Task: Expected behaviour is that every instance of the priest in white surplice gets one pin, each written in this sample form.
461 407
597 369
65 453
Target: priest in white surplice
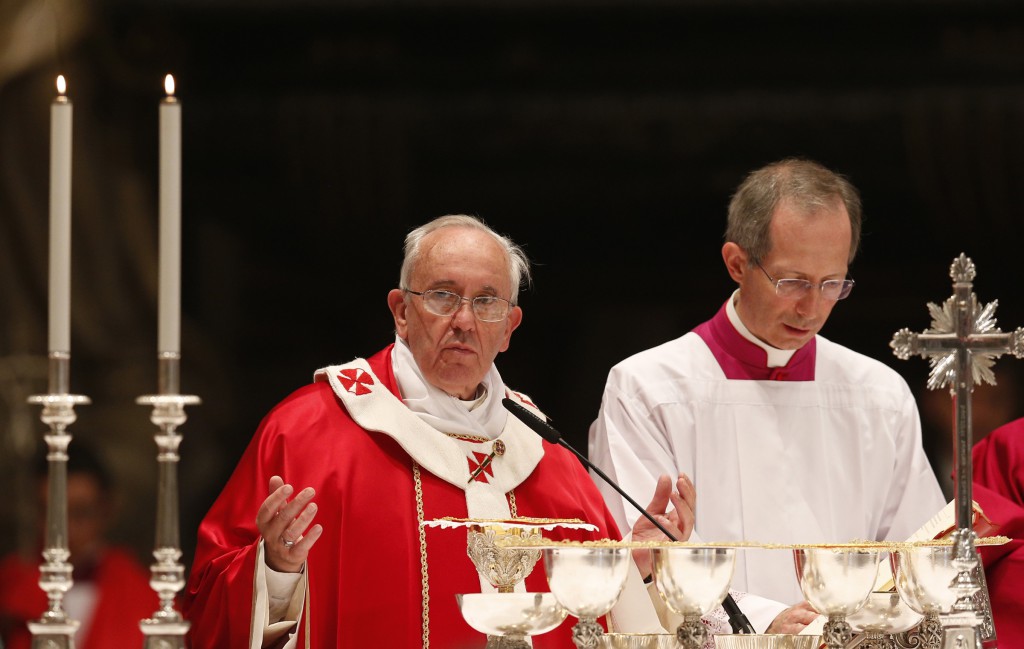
789 438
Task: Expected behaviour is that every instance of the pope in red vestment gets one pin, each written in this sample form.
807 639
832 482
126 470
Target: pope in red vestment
998 488
376 577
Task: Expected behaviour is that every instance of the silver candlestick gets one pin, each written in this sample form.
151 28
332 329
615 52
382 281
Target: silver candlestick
962 344
55 630
167 628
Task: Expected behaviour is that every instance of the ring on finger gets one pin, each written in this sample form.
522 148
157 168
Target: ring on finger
286 542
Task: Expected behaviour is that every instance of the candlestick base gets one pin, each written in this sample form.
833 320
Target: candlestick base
164 634
53 634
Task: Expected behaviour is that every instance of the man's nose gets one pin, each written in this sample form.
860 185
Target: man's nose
810 302
464 318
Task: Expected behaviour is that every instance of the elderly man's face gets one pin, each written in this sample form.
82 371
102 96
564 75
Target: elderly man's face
814 247
455 352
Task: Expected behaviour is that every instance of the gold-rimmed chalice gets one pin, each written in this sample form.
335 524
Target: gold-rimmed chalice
587 581
836 581
693 581
924 578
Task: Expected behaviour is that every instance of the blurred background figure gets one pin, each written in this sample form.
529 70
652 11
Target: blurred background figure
991 407
999 489
111 590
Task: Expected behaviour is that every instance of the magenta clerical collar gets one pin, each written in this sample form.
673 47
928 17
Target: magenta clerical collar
741 359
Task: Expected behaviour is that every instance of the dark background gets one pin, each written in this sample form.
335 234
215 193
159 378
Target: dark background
606 137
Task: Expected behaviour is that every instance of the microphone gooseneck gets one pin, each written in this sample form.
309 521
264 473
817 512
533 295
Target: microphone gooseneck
737 620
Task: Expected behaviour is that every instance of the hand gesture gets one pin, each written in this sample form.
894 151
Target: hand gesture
679 521
283 526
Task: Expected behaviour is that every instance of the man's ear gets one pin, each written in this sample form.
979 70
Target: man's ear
398 307
736 261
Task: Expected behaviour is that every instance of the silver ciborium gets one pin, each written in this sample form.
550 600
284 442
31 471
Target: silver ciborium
692 581
924 577
587 581
884 615
837 582
508 618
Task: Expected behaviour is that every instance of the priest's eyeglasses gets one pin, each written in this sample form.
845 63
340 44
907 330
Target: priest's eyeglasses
486 308
794 289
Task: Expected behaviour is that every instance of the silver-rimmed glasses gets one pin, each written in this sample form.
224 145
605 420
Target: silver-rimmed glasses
794 289
486 308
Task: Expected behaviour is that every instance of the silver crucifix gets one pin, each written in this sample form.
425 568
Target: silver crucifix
961 345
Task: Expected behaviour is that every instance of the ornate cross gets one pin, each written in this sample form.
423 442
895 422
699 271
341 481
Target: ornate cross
961 345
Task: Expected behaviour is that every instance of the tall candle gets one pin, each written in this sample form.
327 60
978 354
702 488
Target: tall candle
169 308
60 221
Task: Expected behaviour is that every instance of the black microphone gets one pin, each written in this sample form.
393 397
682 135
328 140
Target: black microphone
737 620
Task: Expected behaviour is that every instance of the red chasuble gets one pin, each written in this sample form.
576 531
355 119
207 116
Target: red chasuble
369 585
998 488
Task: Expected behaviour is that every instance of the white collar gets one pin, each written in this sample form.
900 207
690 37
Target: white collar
776 357
483 416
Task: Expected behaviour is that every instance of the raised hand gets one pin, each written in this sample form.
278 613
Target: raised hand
283 523
679 521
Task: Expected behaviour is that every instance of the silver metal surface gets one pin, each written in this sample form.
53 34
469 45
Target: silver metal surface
587 581
55 629
837 583
693 580
767 641
511 614
166 628
962 345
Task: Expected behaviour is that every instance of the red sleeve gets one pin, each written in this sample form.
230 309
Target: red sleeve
999 489
219 596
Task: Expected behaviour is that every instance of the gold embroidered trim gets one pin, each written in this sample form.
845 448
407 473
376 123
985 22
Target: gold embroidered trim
424 579
468 438
512 503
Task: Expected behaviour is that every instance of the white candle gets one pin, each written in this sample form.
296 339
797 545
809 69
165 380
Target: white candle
169 307
60 221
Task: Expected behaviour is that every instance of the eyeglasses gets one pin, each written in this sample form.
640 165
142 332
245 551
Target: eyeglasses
794 289
486 308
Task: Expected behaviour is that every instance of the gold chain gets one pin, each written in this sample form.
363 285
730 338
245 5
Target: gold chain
425 581
512 503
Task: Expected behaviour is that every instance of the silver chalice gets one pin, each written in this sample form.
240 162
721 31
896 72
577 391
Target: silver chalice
587 581
837 582
924 577
693 581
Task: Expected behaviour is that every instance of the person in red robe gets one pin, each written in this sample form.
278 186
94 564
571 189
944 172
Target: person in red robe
998 488
110 592
376 448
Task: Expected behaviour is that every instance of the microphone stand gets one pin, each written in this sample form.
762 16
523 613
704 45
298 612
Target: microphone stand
737 619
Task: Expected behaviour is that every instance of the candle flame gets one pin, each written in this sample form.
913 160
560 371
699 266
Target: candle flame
169 85
62 86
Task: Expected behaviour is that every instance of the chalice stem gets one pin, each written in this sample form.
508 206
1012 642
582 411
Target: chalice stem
837 633
586 634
